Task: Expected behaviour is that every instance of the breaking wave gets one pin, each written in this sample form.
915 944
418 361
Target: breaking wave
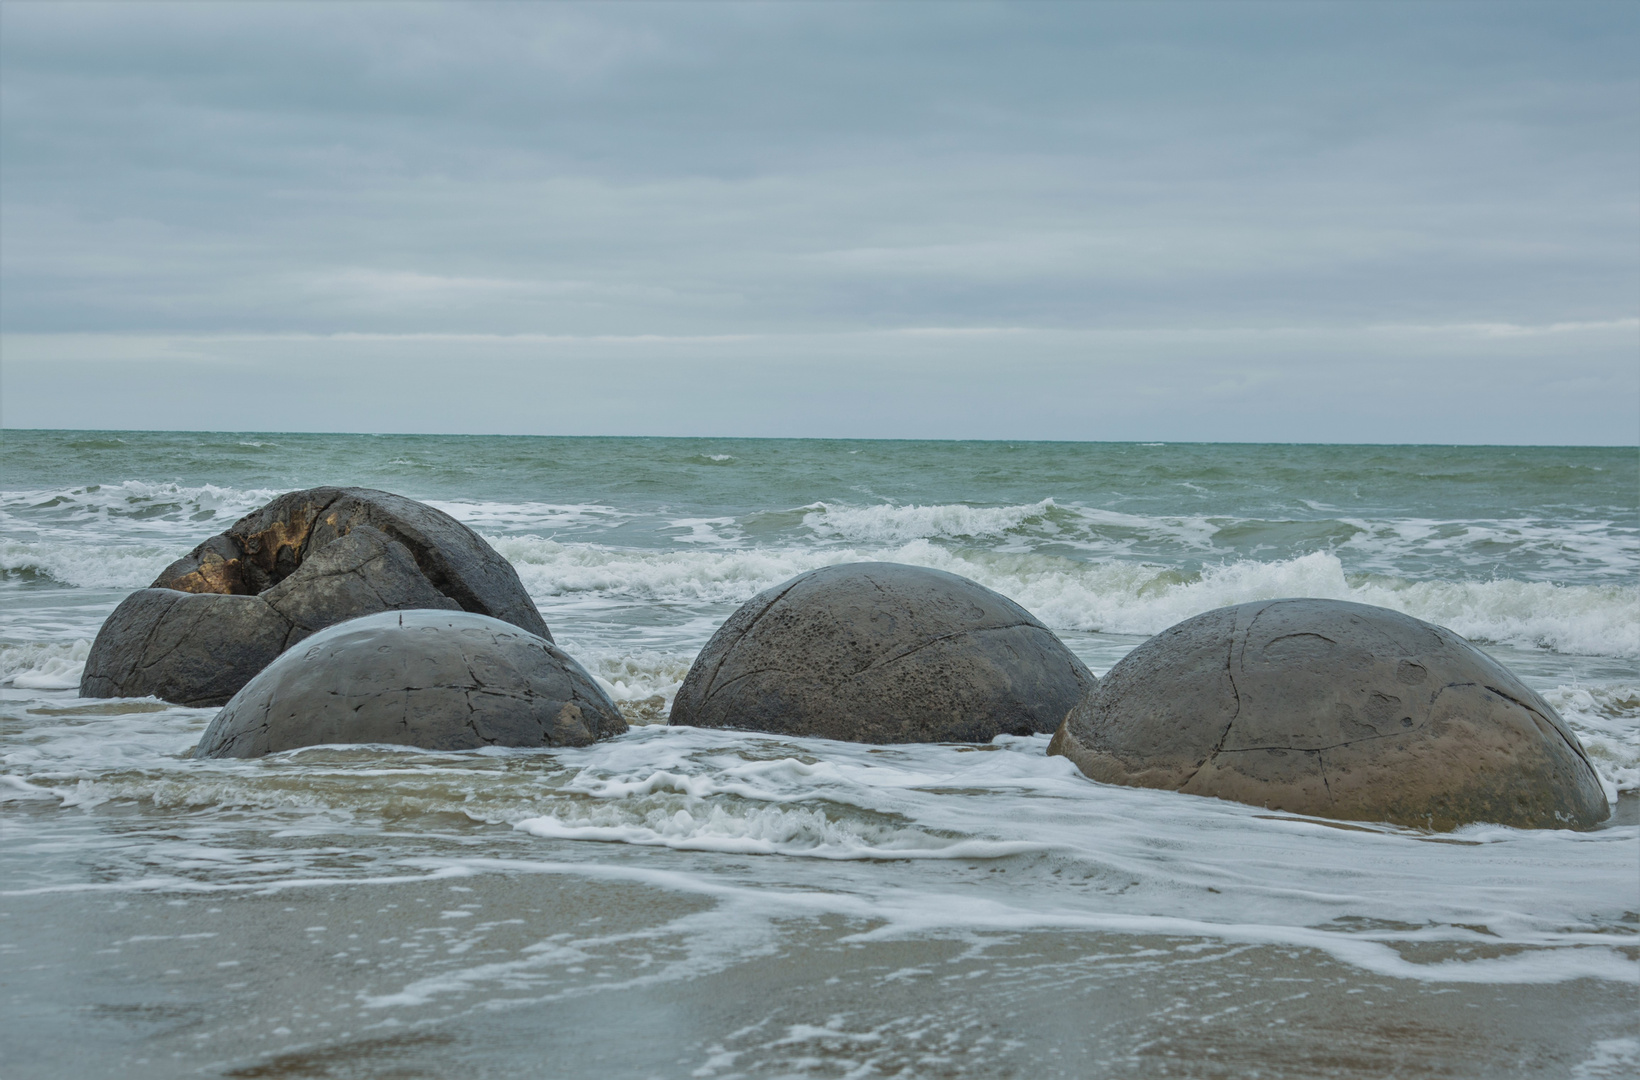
884 524
1075 567
133 502
41 666
1113 597
88 566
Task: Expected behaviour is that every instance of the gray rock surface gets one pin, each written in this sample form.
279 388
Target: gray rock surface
266 546
186 648
1334 709
308 560
882 653
443 680
360 572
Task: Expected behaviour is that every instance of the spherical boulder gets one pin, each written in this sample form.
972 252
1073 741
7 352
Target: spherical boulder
442 680
307 560
1338 710
882 653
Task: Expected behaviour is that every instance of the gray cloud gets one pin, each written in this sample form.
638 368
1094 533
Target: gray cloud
267 182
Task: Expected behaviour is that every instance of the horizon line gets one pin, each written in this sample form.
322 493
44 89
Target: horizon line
5 429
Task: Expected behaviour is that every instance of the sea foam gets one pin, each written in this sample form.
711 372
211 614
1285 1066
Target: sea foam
44 666
1114 596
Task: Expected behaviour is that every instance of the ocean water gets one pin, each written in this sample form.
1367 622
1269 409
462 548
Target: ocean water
680 902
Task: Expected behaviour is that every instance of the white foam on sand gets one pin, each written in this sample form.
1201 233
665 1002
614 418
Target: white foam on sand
1097 857
1610 1058
899 839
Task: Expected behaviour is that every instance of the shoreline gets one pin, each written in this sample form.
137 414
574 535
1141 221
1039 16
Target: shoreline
513 970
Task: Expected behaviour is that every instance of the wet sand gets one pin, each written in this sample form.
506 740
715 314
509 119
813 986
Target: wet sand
528 974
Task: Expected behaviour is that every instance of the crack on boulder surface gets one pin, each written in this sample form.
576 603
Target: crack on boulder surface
903 653
1571 743
318 515
728 649
1484 752
1224 736
365 550
260 551
1296 634
143 664
881 653
741 678
148 638
1330 746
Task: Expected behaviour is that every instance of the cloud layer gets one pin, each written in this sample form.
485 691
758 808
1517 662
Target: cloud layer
1119 221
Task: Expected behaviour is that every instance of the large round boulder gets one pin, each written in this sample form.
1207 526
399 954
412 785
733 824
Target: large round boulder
307 560
442 680
1338 710
882 653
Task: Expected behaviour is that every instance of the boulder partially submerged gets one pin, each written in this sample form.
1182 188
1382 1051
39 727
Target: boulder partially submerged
307 560
1338 710
882 653
441 680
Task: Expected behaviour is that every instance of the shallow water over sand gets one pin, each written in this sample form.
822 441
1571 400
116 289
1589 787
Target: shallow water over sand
691 903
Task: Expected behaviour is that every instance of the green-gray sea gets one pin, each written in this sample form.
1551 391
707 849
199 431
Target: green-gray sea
678 902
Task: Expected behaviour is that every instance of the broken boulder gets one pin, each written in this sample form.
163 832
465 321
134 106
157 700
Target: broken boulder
307 560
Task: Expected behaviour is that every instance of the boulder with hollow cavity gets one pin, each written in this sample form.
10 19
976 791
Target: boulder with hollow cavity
268 545
307 560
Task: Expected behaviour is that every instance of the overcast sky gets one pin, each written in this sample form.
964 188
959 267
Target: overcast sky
1384 222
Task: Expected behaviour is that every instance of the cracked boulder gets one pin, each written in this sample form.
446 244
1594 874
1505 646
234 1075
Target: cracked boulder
1338 710
441 680
307 560
882 653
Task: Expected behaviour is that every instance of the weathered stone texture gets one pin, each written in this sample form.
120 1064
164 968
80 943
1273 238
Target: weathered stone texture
882 653
1334 709
266 546
360 572
305 561
185 648
442 680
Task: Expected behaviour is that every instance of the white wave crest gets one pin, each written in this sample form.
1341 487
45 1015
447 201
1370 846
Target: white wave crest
531 515
550 568
1110 596
89 566
113 536
642 682
1593 620
55 666
139 501
886 524
1610 1058
1607 722
16 789
1593 547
